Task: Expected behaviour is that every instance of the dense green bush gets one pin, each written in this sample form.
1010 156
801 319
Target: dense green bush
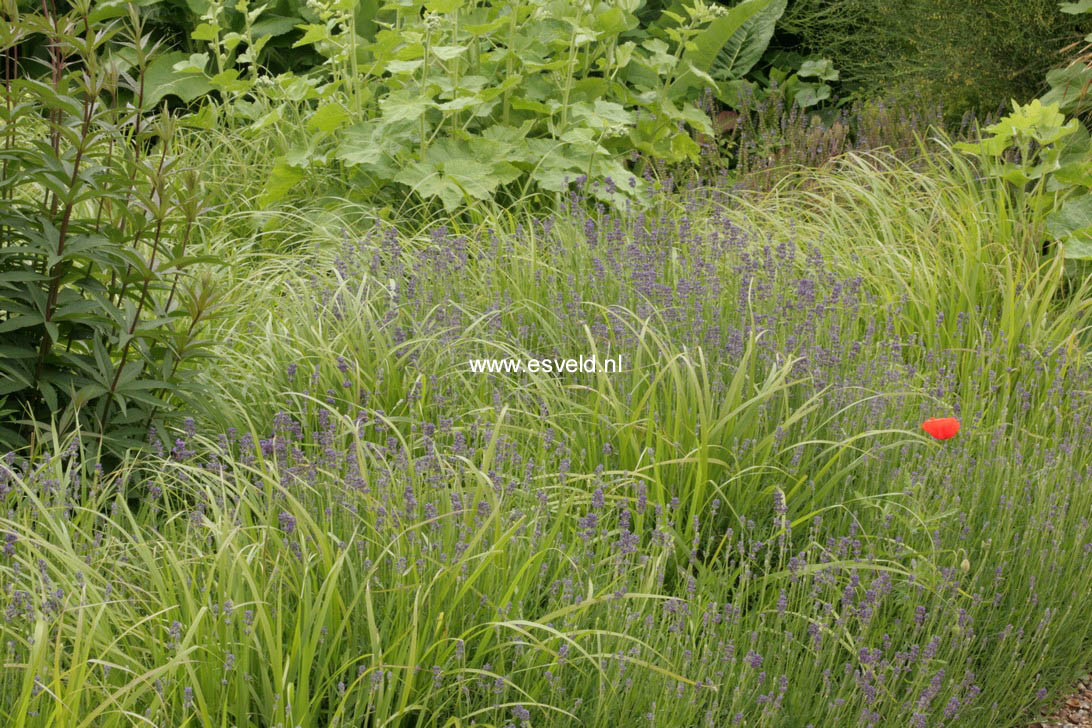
967 54
456 102
96 313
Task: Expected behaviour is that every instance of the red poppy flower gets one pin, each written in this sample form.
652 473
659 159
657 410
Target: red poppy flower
942 428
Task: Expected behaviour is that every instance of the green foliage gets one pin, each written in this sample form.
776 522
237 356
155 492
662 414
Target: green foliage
746 46
96 219
727 48
264 35
1047 164
1070 85
791 81
454 102
1069 89
965 54
460 104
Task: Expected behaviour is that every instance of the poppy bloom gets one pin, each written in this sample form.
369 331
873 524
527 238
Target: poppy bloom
942 428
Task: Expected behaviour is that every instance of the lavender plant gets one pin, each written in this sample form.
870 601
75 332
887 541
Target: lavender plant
443 545
742 527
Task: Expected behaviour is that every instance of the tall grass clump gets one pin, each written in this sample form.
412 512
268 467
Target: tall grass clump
942 243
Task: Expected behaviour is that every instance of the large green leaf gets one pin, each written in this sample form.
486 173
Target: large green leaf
1072 224
457 172
364 16
328 117
374 146
601 115
1078 248
810 94
453 186
282 179
405 105
1070 88
821 68
274 25
711 43
357 145
1077 8
160 79
745 47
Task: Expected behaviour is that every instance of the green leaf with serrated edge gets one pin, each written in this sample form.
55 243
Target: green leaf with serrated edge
274 25
311 34
356 146
404 67
446 53
460 102
810 94
228 80
1076 174
193 63
525 104
205 32
207 118
404 105
443 6
1070 88
451 173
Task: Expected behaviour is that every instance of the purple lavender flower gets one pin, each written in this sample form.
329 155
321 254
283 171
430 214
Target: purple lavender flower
10 540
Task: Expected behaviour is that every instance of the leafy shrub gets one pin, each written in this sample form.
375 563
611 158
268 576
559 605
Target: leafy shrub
456 104
97 218
1047 165
460 103
1070 85
792 80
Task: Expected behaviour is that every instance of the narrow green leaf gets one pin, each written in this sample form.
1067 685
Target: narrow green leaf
21 321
